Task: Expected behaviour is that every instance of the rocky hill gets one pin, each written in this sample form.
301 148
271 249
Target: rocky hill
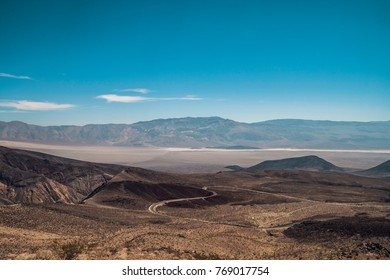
381 170
31 177
312 163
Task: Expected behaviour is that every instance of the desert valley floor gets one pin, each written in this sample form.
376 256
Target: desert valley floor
187 160
58 208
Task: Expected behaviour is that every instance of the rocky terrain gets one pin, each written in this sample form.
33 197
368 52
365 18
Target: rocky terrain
31 177
57 208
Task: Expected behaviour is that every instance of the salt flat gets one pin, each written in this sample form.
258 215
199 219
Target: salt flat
186 160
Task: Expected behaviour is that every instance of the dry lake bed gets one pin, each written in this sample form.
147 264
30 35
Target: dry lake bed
187 160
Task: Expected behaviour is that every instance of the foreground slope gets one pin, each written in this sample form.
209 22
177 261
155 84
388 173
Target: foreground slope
143 214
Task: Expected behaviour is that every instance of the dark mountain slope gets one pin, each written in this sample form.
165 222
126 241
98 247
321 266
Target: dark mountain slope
18 186
132 194
31 177
381 170
138 188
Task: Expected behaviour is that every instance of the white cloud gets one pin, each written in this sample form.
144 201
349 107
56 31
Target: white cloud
133 99
121 98
138 90
191 97
15 77
12 111
35 106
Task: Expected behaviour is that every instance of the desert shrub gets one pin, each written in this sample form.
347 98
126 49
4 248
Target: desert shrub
45 255
70 250
158 221
169 250
205 256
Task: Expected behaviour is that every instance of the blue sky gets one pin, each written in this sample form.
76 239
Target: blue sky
79 62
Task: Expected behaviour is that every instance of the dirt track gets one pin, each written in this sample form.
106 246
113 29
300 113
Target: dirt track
153 208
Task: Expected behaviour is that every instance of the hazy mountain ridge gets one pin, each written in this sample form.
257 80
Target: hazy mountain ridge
209 132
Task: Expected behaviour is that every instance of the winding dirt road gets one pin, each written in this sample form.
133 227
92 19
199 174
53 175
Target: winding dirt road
153 208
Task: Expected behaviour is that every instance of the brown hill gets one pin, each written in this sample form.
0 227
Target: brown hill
137 188
381 170
139 195
313 163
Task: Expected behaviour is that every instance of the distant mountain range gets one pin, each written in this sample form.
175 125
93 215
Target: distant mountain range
210 132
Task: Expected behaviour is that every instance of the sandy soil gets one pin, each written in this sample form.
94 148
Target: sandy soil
266 215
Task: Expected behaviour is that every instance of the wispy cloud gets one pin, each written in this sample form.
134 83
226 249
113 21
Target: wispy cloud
13 111
188 97
121 98
5 75
137 90
35 106
134 99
